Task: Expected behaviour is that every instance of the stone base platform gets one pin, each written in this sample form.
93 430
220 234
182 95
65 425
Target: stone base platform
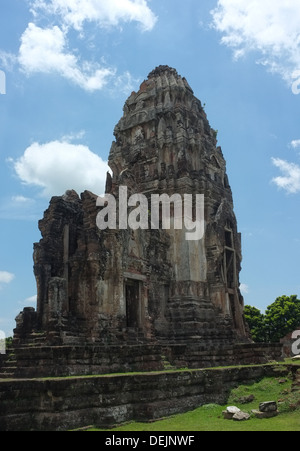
60 404
57 361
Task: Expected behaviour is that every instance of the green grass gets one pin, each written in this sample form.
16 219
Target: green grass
209 418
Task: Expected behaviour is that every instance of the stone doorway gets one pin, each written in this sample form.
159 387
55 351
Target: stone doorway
133 303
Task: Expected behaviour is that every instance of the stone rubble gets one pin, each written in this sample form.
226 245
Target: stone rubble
235 414
266 410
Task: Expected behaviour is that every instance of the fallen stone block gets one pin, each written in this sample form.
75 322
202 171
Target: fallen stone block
270 406
241 416
263 415
229 413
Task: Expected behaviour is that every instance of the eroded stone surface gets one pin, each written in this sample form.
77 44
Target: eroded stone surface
241 416
144 286
69 403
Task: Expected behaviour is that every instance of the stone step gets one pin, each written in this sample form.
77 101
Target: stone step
8 370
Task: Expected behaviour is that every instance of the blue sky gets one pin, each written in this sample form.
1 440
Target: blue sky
71 64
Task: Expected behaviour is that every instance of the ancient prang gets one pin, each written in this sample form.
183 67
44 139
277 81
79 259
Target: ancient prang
147 289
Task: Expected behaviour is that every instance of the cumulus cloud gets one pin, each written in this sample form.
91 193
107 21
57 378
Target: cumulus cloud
290 179
105 13
295 143
269 27
6 277
44 50
59 166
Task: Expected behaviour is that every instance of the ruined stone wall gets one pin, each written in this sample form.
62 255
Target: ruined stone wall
114 286
57 361
69 403
124 299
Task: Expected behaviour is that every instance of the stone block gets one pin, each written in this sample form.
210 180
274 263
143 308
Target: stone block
263 415
241 416
270 406
229 413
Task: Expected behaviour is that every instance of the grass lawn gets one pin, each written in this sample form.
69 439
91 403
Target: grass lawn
209 418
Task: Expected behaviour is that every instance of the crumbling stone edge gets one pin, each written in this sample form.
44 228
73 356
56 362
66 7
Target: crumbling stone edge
60 404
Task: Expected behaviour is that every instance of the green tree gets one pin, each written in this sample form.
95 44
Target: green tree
281 318
255 320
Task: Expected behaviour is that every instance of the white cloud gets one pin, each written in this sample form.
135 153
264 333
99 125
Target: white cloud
295 144
44 50
8 60
19 208
6 277
105 13
244 288
28 302
124 83
22 200
59 166
32 300
73 136
269 27
290 180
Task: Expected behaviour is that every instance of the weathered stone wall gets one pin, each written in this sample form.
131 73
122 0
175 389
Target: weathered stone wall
111 286
88 360
103 401
3 359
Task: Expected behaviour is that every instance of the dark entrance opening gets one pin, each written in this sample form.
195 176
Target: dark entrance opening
133 305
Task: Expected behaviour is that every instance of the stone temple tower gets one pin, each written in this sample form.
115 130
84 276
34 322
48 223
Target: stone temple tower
164 144
118 285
